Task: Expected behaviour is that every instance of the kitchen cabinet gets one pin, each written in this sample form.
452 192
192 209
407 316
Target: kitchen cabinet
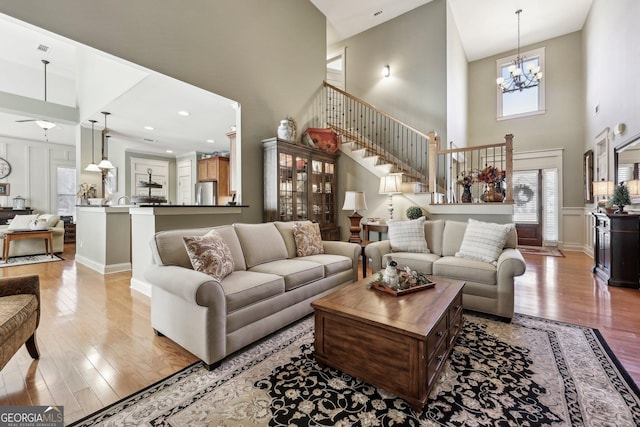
300 184
216 169
617 249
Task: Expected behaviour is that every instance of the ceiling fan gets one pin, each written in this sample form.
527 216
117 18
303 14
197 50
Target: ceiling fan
45 125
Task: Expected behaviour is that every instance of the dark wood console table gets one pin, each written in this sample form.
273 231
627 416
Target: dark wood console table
617 249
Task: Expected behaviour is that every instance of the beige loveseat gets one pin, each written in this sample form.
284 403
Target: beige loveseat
269 288
34 246
488 288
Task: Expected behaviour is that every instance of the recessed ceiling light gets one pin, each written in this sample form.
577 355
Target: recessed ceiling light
169 151
183 113
148 127
211 141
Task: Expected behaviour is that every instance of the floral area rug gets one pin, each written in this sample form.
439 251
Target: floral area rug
530 372
29 259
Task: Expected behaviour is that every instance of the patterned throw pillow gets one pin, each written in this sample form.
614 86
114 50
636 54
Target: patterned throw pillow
484 241
210 254
408 236
308 239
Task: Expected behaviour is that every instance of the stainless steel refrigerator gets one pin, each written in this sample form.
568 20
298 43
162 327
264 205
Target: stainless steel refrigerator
206 193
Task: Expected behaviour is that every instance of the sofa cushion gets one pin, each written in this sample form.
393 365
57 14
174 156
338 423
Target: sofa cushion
484 241
452 237
433 230
286 231
408 236
308 239
294 271
169 247
243 288
21 222
332 263
465 269
210 254
417 261
260 243
14 312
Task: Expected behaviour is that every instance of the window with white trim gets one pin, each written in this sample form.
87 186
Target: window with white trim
66 190
523 102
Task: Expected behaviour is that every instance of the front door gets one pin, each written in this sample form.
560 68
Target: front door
527 211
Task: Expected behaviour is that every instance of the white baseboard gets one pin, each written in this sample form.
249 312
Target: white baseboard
141 286
102 268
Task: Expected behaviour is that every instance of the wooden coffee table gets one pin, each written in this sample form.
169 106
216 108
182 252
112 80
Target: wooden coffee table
34 234
397 343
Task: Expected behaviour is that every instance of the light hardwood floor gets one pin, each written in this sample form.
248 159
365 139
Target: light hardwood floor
97 345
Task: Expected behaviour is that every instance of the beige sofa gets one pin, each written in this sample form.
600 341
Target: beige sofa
488 289
269 288
35 246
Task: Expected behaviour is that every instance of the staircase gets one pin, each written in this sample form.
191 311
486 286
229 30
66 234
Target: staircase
376 140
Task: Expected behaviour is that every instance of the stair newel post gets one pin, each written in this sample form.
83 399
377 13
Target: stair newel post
433 148
508 139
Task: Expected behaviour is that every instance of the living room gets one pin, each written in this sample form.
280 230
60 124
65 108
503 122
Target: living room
278 72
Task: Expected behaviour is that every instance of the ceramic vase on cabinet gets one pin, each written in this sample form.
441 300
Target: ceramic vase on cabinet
287 130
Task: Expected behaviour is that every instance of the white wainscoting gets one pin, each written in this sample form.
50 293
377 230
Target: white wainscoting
577 230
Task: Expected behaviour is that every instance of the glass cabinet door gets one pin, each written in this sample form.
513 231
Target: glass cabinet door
285 185
301 189
322 183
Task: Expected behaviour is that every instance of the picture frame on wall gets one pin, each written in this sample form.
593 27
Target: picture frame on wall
4 189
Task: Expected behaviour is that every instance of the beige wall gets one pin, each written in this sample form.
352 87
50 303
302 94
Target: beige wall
457 90
414 46
268 55
562 126
611 60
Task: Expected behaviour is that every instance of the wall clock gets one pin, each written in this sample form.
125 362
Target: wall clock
5 168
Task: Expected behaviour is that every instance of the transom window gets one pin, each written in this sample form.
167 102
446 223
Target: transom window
523 102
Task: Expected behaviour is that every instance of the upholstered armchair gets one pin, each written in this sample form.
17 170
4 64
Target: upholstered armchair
19 315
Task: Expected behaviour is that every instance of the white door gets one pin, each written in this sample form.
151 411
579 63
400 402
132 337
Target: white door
140 174
185 186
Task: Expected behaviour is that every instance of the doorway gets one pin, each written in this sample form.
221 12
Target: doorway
527 210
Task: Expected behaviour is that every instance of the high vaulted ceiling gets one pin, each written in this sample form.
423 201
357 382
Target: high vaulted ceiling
487 27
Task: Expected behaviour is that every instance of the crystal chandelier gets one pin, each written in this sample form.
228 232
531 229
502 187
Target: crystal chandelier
519 78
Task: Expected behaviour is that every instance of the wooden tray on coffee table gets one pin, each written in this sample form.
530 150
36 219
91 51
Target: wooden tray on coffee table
382 286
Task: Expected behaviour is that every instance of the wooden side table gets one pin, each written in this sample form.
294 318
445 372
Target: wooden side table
47 235
378 228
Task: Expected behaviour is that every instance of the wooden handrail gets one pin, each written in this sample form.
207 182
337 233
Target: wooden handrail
377 110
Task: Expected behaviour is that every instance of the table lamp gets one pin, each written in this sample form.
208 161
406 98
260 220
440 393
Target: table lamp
354 200
391 184
602 188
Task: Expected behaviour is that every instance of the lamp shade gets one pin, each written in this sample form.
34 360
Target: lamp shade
602 188
92 168
390 184
105 164
634 187
354 200
45 124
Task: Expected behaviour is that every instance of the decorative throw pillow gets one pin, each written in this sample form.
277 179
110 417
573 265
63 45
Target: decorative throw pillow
484 241
21 222
308 239
51 219
408 236
210 254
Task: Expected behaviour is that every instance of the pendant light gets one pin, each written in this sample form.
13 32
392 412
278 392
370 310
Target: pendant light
105 163
92 166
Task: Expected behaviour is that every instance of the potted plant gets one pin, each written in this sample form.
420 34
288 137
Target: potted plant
414 212
620 198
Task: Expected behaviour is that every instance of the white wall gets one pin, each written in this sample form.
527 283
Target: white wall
457 90
33 171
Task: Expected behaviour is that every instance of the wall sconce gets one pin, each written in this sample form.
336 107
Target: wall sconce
354 201
386 71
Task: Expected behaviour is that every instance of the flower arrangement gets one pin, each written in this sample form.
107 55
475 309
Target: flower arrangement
87 191
490 174
408 278
467 178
